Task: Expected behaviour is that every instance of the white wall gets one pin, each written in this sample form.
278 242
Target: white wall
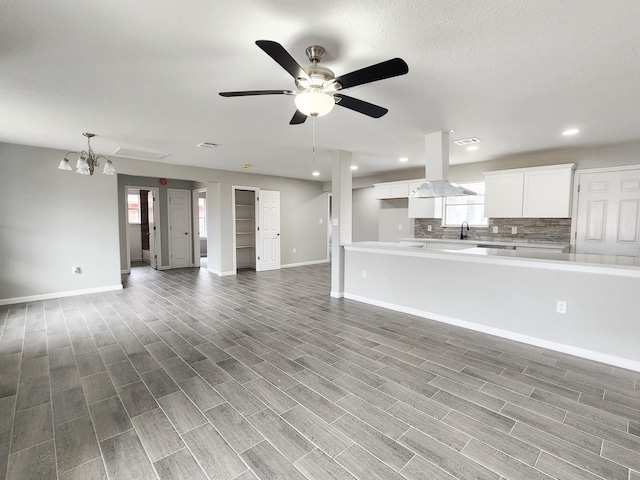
52 220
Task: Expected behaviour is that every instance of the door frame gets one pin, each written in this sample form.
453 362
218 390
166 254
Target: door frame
195 195
576 193
256 191
189 224
156 193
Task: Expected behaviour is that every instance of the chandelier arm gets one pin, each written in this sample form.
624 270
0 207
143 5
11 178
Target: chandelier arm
71 153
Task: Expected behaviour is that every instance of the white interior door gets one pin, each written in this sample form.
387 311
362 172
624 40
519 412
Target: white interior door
179 228
609 213
268 235
151 207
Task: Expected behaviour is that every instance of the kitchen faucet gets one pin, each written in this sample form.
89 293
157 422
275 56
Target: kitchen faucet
463 235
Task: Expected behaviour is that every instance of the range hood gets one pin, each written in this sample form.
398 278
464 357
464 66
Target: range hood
437 170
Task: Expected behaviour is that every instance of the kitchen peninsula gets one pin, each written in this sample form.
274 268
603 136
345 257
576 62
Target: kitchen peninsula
509 293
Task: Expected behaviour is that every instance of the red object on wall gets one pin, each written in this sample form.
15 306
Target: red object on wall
163 181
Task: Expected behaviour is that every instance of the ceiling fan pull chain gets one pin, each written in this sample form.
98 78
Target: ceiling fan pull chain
313 128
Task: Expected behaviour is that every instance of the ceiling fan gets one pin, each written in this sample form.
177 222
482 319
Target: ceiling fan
318 87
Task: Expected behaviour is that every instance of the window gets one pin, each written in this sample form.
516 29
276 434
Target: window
202 217
467 208
133 201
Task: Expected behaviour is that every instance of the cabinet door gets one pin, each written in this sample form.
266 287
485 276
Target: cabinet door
503 195
425 207
382 190
547 193
399 190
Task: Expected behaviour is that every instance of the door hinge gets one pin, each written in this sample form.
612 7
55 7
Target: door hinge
258 257
258 228
578 187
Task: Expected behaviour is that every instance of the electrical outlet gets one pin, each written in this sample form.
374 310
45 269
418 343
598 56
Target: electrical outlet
335 222
429 228
514 230
294 250
364 274
400 227
561 307
320 221
76 270
495 229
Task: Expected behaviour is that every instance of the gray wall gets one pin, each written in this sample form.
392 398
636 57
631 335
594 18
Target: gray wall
365 210
394 213
52 220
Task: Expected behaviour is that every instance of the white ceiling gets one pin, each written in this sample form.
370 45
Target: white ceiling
146 74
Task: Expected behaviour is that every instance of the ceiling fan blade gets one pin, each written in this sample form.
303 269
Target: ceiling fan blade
360 106
373 73
257 92
298 118
280 55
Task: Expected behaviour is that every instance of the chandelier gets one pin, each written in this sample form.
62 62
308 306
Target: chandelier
87 160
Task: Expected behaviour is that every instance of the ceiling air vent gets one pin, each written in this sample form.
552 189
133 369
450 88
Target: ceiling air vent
141 154
207 145
467 141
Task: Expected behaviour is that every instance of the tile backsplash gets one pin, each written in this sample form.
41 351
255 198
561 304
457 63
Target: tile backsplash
534 230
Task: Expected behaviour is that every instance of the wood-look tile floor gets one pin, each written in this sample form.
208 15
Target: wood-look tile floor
185 375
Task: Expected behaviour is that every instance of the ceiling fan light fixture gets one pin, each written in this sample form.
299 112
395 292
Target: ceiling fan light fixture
314 102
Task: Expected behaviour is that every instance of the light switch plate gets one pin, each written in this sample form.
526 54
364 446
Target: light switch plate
335 222
514 230
429 228
495 229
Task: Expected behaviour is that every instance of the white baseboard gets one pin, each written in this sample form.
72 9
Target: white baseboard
342 295
498 332
49 296
302 264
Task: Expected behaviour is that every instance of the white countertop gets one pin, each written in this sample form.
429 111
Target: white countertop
604 264
472 241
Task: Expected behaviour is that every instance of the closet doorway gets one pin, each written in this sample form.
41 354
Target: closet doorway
256 229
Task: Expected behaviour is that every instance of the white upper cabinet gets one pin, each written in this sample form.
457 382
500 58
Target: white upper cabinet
391 190
503 194
537 192
547 192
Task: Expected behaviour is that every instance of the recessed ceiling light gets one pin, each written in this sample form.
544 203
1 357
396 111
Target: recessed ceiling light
403 159
354 167
473 147
571 131
316 174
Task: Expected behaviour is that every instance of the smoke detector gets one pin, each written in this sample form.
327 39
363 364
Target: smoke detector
207 145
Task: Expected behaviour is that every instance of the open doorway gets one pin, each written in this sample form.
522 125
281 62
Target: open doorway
142 214
200 221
